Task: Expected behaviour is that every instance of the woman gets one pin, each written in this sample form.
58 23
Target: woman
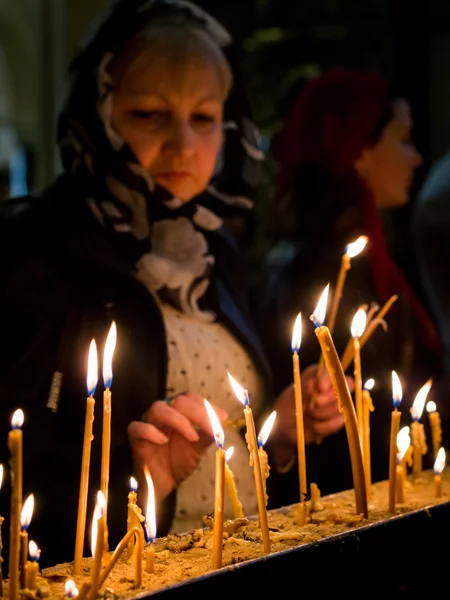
157 145
345 155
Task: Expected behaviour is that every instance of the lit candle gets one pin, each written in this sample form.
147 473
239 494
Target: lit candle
435 425
419 443
300 430
98 537
263 459
250 436
438 467
134 519
25 520
32 565
1 542
70 589
150 524
403 443
346 406
219 438
92 378
106 434
368 407
236 504
15 447
357 329
397 394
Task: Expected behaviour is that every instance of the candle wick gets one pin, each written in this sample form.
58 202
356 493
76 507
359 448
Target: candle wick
313 319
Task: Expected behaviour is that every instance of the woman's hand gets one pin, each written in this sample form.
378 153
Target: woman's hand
171 439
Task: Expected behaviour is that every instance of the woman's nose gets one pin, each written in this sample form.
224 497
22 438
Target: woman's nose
181 139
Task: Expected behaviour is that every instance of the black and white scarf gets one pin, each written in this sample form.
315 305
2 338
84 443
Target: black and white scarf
163 236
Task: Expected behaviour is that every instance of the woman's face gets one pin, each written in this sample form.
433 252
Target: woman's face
172 120
388 166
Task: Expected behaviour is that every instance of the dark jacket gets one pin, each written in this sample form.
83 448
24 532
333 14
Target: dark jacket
63 282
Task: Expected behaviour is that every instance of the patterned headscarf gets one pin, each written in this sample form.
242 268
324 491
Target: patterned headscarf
160 234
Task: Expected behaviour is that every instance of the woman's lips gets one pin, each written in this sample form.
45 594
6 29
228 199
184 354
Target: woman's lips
172 175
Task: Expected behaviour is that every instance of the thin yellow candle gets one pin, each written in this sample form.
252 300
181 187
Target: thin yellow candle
98 537
134 519
357 329
397 394
417 430
15 445
300 428
262 454
435 425
120 548
236 504
150 524
25 520
219 438
438 467
106 434
250 436
343 395
1 541
367 406
92 378
403 443
32 565
70 589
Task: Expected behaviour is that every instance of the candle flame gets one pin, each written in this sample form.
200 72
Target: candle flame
27 513
297 334
92 370
239 391
266 428
431 406
369 384
318 316
70 589
356 247
33 551
99 511
229 453
403 442
359 323
108 355
133 484
1 476
150 515
419 401
439 463
397 392
218 432
17 419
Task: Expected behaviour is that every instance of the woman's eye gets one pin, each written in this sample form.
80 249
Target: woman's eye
203 121
151 116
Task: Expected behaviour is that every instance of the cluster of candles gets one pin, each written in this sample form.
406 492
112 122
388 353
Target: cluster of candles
404 443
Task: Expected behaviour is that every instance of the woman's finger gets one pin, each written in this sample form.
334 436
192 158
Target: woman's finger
322 413
163 415
146 432
325 428
192 406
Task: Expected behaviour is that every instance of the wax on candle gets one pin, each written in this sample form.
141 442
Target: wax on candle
343 395
92 377
403 443
106 432
435 425
135 531
417 430
250 436
397 394
135 517
262 455
438 467
150 522
25 520
70 589
32 565
316 504
357 329
238 511
300 429
367 407
98 537
16 450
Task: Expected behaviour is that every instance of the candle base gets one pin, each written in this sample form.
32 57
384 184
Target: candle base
301 517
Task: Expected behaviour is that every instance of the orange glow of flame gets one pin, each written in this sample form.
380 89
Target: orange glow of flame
439 463
27 512
239 391
267 428
357 246
150 515
397 392
297 334
318 316
70 589
218 432
92 370
229 453
17 419
1 476
99 511
359 323
369 384
419 401
403 442
33 551
133 484
431 406
108 355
